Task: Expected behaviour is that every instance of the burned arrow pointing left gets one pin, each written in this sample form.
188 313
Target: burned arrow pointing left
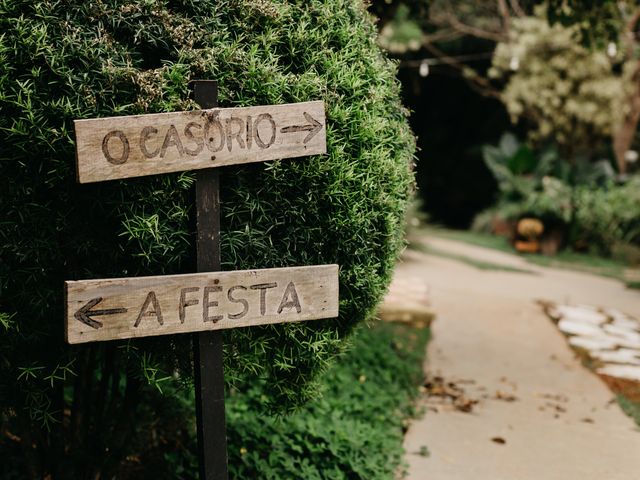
85 313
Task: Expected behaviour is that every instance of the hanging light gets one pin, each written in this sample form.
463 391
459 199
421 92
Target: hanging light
631 156
424 68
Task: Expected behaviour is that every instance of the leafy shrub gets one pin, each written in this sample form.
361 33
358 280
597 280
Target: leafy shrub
599 21
354 431
610 215
62 61
525 182
583 196
571 92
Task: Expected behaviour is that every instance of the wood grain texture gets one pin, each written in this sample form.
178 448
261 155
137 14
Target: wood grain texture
109 309
208 346
133 146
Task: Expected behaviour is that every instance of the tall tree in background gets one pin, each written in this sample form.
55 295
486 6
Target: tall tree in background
592 30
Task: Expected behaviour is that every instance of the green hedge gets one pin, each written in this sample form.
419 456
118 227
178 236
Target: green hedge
608 216
61 61
355 431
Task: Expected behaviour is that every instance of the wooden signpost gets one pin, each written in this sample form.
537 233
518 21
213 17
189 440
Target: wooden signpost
144 306
134 146
205 302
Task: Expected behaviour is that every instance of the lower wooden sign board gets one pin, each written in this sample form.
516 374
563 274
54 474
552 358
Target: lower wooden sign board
109 309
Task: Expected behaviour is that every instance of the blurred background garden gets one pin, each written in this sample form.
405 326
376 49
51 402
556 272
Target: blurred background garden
526 110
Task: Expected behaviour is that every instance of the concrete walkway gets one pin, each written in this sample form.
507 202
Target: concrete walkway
539 414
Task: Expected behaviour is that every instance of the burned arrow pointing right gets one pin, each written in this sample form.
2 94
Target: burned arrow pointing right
85 313
313 128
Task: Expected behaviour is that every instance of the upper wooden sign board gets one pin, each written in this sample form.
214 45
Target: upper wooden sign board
139 145
99 310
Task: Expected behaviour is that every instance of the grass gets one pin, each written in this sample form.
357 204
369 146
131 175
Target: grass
474 238
630 407
354 431
473 262
583 262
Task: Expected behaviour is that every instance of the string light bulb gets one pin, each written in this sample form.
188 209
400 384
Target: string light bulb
424 68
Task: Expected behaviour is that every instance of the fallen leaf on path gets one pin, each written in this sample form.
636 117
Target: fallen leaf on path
505 397
465 405
449 393
424 451
557 407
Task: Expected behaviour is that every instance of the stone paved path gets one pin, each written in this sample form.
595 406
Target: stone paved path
539 414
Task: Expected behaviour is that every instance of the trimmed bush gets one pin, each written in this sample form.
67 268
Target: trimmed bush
63 61
608 216
355 431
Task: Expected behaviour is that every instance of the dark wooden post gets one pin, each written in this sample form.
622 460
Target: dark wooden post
207 346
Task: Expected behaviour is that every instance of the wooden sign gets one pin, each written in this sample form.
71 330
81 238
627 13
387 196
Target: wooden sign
134 146
110 309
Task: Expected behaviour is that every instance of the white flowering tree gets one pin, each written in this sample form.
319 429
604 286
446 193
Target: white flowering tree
569 67
578 96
